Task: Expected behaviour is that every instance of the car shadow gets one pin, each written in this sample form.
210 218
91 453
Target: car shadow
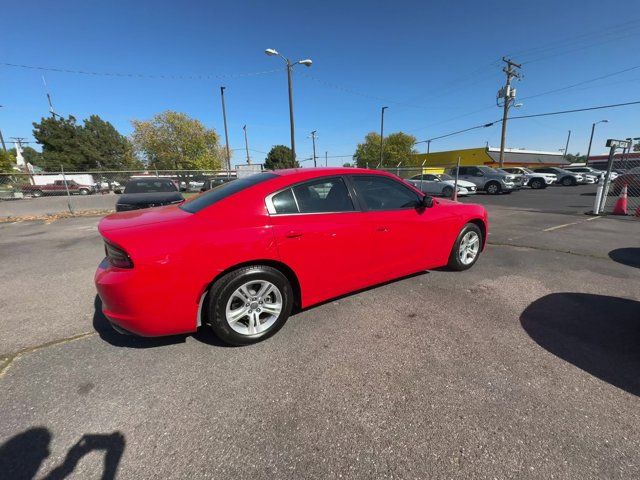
627 256
22 455
109 335
598 334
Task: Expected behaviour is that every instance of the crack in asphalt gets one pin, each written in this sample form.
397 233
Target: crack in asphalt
6 360
548 249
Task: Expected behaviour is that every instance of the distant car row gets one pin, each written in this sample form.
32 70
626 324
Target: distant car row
493 181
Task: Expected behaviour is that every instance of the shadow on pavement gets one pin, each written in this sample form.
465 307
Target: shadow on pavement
22 455
596 333
109 335
626 256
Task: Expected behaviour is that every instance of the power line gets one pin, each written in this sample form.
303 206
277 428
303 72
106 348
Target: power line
138 75
581 83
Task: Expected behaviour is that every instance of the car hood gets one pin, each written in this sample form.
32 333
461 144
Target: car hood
150 198
141 218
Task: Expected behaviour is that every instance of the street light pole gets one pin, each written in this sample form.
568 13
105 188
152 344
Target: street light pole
382 134
226 132
593 127
313 139
566 147
307 62
246 144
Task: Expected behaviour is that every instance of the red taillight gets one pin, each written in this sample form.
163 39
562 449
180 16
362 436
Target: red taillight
116 256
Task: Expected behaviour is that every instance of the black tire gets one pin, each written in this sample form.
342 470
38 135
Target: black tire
454 259
493 188
568 181
447 192
222 289
83 191
537 183
37 193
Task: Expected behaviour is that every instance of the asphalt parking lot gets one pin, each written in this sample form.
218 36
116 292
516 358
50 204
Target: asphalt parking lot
525 366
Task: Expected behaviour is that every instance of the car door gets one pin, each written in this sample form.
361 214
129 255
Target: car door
403 235
469 174
320 234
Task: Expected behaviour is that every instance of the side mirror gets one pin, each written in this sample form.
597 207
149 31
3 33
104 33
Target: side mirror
426 202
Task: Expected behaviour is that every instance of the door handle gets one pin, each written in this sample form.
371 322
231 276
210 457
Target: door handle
382 229
293 234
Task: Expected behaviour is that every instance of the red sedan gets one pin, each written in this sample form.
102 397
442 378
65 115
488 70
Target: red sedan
240 257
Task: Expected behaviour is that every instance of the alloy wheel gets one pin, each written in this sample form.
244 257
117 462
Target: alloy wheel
254 307
469 248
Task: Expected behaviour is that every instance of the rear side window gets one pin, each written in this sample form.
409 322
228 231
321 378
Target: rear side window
207 199
381 193
150 186
326 195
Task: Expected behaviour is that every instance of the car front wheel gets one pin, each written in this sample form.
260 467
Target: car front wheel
568 181
493 188
536 184
249 304
466 249
447 192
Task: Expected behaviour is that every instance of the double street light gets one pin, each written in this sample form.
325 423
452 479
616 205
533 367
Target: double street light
307 63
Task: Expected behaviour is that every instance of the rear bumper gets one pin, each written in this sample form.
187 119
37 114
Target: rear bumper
141 304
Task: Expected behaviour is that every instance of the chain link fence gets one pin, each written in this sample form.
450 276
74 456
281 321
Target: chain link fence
623 193
57 192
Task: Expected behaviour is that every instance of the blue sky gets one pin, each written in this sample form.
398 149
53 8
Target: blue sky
434 63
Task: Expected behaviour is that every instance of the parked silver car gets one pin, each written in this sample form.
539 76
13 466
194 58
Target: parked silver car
488 179
441 184
535 180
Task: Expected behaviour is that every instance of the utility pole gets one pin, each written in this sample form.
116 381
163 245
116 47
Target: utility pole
46 91
326 162
509 95
313 139
226 132
428 146
566 147
246 144
4 147
382 134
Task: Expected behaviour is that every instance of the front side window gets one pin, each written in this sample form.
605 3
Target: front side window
381 193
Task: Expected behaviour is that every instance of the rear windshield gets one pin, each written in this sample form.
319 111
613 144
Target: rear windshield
150 186
206 199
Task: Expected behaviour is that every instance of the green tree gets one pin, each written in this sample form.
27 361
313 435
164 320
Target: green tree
636 147
280 157
61 140
347 164
173 140
104 147
7 162
94 145
398 147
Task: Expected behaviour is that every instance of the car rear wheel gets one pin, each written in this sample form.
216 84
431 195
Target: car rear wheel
447 192
493 188
466 249
537 184
83 191
249 304
37 193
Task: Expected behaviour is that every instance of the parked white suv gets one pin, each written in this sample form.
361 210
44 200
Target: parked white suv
535 180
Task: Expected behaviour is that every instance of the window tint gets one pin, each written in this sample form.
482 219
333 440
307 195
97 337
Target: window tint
195 204
380 193
325 195
150 186
284 202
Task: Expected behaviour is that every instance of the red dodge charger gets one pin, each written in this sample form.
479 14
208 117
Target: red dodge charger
240 257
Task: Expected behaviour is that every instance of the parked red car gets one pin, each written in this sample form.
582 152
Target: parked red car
240 257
